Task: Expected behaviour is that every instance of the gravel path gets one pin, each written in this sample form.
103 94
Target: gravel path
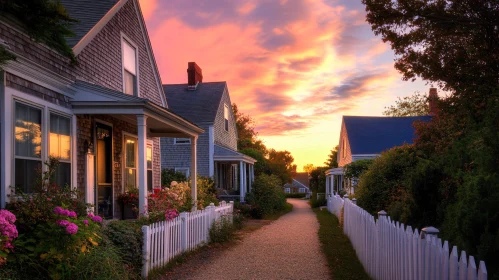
288 248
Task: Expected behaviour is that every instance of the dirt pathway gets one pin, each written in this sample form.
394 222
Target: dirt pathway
288 248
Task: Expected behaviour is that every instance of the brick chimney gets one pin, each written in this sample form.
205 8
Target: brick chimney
194 75
433 101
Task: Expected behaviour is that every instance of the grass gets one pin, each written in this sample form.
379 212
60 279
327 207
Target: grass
341 258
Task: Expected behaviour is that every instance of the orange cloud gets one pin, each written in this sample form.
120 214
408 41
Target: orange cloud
148 7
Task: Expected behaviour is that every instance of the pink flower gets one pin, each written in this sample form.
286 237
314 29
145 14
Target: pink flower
85 222
58 210
71 228
72 214
90 214
97 219
62 223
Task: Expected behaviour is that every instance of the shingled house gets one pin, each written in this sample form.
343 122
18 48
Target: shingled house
365 138
208 105
102 118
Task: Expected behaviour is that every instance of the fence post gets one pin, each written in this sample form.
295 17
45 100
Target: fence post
345 196
431 231
382 213
183 231
354 200
145 251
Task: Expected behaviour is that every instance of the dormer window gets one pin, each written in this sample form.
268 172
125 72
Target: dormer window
129 67
226 117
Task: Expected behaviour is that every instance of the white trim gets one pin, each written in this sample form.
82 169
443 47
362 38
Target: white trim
181 143
11 96
150 54
124 40
97 27
211 150
186 169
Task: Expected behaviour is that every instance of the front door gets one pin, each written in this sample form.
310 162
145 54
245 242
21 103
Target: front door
104 168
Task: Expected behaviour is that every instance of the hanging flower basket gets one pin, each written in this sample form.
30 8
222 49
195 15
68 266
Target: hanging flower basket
129 202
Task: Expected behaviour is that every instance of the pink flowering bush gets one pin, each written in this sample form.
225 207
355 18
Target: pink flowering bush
167 203
171 214
8 232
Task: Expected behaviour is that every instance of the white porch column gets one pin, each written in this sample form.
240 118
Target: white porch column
328 178
142 163
241 181
332 182
251 176
194 171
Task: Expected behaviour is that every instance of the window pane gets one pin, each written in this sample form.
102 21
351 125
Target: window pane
130 83
129 58
130 178
28 131
60 137
182 141
149 157
149 180
227 125
130 153
226 112
27 174
62 175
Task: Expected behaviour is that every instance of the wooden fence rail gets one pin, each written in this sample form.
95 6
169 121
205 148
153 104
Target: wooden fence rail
390 250
165 240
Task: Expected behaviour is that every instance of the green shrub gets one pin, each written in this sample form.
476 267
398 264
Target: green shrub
127 238
295 195
267 196
102 263
403 184
170 175
314 202
206 192
222 230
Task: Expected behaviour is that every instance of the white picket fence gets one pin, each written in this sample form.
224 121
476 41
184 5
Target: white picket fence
165 240
389 250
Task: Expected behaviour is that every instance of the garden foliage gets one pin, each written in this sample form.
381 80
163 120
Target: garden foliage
267 196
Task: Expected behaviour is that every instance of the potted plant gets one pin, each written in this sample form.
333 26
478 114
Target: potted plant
129 201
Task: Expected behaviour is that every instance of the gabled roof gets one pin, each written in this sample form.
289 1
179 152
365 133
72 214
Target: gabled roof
88 13
226 154
295 183
373 135
302 177
198 106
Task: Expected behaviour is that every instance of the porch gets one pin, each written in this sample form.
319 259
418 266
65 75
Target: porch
334 181
233 171
118 145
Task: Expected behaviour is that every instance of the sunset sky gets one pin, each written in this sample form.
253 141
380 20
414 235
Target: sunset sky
295 66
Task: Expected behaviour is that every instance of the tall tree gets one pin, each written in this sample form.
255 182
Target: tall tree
281 164
332 158
308 168
44 21
453 43
414 105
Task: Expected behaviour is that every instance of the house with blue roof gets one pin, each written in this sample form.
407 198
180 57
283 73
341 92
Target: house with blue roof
365 137
208 105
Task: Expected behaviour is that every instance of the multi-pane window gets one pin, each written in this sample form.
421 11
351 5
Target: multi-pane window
183 170
28 146
130 162
129 68
149 167
302 190
60 148
182 140
226 117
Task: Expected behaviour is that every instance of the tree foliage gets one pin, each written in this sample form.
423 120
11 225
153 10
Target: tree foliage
414 105
454 44
355 169
318 179
308 168
44 21
332 158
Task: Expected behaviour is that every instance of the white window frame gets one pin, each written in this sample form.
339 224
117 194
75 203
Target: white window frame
150 144
12 97
126 40
287 190
302 190
187 170
228 117
175 141
125 136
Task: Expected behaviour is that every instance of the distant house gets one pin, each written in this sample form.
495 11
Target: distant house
299 184
364 137
208 105
101 118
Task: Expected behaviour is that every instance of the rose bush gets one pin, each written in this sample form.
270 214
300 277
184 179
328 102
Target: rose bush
8 232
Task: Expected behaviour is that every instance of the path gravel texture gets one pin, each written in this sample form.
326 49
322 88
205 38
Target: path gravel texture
288 248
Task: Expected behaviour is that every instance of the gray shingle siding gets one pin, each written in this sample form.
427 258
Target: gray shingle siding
177 156
225 138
